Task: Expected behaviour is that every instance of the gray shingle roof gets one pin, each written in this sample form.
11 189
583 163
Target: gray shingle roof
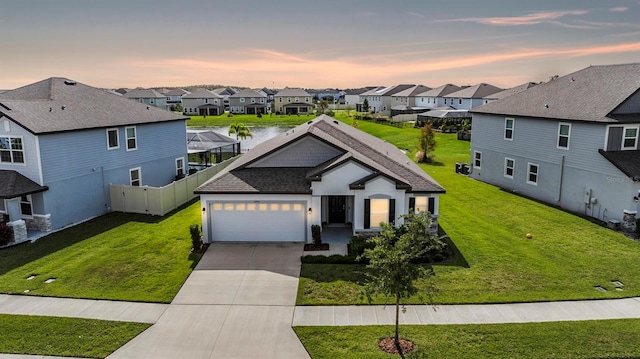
626 161
201 93
412 91
247 93
292 92
387 91
144 93
355 145
440 91
59 104
13 184
177 92
591 94
476 91
510 91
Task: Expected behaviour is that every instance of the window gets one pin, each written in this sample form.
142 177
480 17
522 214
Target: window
477 159
532 174
288 99
253 100
113 141
132 143
179 166
134 177
25 206
508 128
297 99
306 99
11 150
280 98
630 140
459 101
509 165
379 212
215 102
241 99
206 100
564 132
261 100
421 204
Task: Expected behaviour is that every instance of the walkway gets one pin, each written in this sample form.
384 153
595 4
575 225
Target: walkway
469 314
237 303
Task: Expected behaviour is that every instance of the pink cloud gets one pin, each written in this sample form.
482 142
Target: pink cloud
619 9
531 19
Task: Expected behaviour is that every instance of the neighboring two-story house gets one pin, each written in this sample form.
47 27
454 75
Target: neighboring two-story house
249 102
470 97
148 96
175 96
380 100
434 98
293 101
202 102
571 142
62 143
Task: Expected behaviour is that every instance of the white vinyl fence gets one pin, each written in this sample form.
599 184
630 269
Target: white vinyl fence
159 201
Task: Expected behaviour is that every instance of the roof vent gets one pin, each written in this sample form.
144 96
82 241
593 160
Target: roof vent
50 109
147 107
63 107
308 123
336 122
69 82
546 106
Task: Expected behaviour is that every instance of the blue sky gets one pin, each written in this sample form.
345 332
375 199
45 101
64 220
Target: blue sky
329 43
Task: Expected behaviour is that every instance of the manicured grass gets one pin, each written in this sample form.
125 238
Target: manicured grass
117 256
74 337
587 339
249 120
564 260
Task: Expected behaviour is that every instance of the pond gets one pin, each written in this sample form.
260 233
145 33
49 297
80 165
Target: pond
260 134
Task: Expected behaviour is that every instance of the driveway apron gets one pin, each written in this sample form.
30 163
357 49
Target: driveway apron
237 303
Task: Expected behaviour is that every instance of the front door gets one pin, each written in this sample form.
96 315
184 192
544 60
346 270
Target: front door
337 209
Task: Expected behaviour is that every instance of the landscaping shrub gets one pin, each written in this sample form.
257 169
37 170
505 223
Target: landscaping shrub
196 238
333 259
6 233
316 234
357 245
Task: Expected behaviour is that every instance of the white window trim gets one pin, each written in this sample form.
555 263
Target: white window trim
139 176
117 138
178 167
513 169
624 133
529 164
475 159
24 156
568 136
135 137
241 99
30 202
513 127
373 225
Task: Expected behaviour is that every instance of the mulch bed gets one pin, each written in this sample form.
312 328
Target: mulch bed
313 247
388 345
203 248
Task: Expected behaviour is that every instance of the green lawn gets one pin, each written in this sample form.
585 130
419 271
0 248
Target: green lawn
74 337
117 256
249 120
587 339
564 260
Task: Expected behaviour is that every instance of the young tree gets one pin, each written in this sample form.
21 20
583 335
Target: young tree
240 130
392 269
348 109
365 105
322 106
426 144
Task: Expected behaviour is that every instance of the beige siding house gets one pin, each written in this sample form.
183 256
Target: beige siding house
293 101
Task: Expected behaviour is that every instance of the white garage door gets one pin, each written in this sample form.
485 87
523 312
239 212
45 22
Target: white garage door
258 222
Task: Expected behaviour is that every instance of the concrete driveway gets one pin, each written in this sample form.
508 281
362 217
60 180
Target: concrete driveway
237 303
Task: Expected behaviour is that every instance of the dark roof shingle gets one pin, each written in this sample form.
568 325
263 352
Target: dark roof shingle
58 104
13 184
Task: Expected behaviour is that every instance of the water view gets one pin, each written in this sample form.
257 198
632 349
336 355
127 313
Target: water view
260 134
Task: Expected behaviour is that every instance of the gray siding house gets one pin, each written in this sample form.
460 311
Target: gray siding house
470 97
202 102
248 101
571 142
62 143
434 98
148 96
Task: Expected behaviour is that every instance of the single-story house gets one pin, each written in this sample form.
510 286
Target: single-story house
322 172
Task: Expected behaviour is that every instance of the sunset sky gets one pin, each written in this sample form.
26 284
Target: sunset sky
303 43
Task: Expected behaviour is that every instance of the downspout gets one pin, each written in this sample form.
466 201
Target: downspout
561 177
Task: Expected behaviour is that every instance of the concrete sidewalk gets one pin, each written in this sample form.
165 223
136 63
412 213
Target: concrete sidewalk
468 314
82 308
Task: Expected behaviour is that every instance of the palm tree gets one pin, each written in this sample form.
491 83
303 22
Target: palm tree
240 130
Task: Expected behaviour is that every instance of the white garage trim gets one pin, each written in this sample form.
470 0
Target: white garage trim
258 221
